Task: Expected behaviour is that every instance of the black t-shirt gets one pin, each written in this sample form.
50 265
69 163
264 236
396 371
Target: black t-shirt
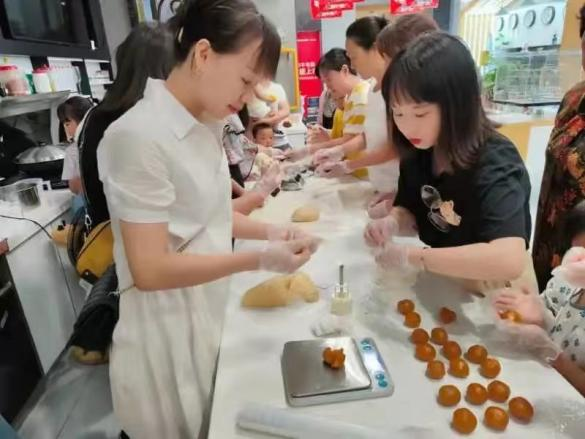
490 200
96 124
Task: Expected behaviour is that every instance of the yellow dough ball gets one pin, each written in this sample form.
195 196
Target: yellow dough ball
305 214
301 285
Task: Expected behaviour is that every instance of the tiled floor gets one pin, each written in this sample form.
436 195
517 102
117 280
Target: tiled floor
74 402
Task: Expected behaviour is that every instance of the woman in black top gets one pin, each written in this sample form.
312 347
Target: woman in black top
463 187
147 52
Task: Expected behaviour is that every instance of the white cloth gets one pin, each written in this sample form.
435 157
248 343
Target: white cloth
384 177
164 166
71 163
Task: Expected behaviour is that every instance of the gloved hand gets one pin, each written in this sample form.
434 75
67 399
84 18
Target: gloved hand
269 181
284 256
297 154
291 233
379 231
528 305
317 134
572 269
381 205
333 169
531 338
276 153
334 154
393 256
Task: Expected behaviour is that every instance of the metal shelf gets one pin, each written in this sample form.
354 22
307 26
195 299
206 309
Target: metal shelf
527 103
17 105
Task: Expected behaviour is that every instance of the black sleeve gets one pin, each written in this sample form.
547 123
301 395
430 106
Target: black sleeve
404 193
503 188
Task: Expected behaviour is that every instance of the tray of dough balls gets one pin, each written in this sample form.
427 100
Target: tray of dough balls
473 391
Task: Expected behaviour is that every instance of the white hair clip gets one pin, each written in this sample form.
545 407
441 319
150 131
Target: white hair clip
180 35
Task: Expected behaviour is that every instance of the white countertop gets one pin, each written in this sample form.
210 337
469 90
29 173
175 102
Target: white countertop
249 365
53 204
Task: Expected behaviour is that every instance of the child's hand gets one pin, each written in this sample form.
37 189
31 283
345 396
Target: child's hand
532 338
527 304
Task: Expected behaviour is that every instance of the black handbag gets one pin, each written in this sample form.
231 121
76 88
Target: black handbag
93 330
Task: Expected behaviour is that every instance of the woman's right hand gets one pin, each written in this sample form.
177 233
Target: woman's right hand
317 134
285 256
380 231
527 304
269 181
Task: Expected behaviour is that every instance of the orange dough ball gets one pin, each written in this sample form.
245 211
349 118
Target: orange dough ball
459 368
439 336
405 306
464 421
521 409
512 316
498 391
419 336
496 418
476 354
449 396
476 394
490 368
447 316
425 352
435 369
412 320
451 350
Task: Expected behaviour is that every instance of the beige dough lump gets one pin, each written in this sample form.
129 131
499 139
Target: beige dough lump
305 214
281 291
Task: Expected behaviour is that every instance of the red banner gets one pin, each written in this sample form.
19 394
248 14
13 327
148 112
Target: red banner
329 8
309 51
404 7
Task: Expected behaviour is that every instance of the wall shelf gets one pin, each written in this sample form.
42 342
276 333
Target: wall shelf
17 105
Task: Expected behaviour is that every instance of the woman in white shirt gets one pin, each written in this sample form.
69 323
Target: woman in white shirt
166 180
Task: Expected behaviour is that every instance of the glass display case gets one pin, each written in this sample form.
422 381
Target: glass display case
534 78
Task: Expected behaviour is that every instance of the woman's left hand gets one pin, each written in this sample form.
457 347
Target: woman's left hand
334 154
394 256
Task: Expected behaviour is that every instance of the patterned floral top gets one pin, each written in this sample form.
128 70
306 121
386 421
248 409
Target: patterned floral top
563 183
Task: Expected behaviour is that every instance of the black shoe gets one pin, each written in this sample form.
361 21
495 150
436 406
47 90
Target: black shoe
124 435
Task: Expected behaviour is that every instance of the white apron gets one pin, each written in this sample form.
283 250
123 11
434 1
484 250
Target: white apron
384 177
165 344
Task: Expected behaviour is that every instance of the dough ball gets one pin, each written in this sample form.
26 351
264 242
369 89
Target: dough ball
88 357
302 286
269 294
305 214
263 161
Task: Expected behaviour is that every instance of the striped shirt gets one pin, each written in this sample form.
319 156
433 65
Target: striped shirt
354 111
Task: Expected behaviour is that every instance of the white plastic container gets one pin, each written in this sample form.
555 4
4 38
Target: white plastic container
13 81
42 80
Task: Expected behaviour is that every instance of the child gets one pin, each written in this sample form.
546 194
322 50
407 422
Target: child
463 187
554 322
71 114
263 135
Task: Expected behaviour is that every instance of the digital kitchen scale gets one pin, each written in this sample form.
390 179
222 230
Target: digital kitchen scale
309 381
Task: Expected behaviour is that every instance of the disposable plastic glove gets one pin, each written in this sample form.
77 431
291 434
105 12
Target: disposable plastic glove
276 153
291 233
380 231
528 305
531 338
297 154
333 169
393 256
572 270
382 208
269 181
334 154
285 256
317 134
